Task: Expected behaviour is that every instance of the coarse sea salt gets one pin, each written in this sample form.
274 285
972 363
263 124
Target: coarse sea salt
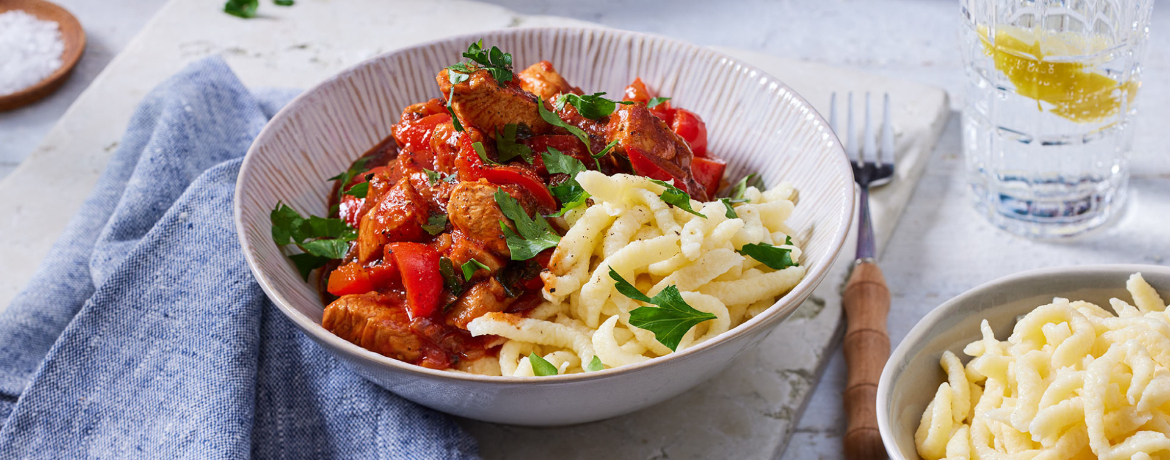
30 50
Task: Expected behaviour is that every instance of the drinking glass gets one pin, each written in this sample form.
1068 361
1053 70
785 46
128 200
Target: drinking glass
1048 109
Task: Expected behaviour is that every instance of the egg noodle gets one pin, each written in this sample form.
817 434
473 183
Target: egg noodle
653 245
1072 381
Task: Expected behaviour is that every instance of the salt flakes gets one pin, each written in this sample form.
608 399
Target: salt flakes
30 50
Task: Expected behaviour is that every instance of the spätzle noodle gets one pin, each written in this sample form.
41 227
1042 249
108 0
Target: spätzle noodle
653 245
1072 381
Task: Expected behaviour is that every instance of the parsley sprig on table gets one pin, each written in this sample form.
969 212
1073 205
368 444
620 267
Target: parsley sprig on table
321 239
496 62
670 321
247 8
535 234
569 193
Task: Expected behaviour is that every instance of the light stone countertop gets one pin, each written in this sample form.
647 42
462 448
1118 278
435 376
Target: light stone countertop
941 247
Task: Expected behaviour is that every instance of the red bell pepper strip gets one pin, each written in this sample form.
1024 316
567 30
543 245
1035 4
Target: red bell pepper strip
419 266
708 172
471 168
349 279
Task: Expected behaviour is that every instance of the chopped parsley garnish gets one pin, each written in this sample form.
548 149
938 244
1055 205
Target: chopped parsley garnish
433 177
247 8
482 154
455 78
740 187
451 281
670 321
321 239
358 190
774 257
496 62
595 365
344 178
555 120
470 267
591 106
436 224
673 196
569 193
731 214
540 366
535 235
507 148
655 101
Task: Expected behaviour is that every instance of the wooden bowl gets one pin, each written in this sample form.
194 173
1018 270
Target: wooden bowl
71 33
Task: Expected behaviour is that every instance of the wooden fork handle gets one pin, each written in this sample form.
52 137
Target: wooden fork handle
867 347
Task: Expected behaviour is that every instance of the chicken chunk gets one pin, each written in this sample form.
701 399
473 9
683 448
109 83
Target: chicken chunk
472 209
485 296
376 322
637 129
398 215
543 80
482 102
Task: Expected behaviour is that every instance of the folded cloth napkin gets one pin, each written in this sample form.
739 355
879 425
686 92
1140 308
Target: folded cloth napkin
143 334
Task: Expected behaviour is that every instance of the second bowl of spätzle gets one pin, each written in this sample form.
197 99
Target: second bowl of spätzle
1069 362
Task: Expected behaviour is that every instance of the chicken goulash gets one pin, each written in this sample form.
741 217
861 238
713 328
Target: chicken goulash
458 211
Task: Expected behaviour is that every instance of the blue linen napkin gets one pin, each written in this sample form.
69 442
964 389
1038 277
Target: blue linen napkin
143 334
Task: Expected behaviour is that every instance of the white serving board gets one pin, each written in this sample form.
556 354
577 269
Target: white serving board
747 412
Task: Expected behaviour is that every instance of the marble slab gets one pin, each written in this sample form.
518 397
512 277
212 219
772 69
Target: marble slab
748 412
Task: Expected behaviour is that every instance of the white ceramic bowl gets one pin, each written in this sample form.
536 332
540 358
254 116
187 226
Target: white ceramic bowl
755 122
912 375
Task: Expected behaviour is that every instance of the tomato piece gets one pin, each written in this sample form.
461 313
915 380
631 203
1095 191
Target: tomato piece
419 268
471 168
708 172
644 167
350 278
691 127
637 92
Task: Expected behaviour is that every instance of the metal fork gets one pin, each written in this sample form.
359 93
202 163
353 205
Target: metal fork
866 298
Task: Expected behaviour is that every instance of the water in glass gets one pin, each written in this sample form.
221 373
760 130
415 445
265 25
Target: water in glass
1047 117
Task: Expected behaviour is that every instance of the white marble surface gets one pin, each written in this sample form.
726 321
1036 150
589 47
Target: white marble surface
941 247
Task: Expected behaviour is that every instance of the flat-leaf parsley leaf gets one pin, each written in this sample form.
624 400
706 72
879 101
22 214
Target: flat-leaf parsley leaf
670 320
673 196
591 106
321 239
470 267
569 193
535 234
774 257
540 366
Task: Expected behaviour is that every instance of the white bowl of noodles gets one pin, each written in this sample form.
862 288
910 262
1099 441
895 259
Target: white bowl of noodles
754 122
1026 313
